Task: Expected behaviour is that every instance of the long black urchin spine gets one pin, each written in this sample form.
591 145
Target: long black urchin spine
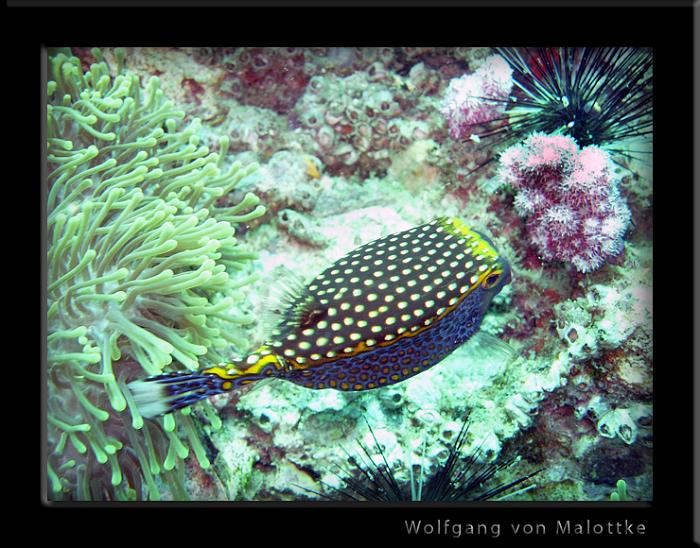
598 96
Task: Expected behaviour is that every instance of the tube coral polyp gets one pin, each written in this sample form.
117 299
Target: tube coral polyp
570 198
477 98
142 270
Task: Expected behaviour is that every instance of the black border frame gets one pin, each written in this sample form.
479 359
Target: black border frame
668 30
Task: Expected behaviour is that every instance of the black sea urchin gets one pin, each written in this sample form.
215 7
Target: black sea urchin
456 479
598 96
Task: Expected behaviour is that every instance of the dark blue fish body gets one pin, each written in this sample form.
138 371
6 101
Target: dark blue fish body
392 364
383 313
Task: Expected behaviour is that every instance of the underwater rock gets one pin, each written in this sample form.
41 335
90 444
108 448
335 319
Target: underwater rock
415 166
360 119
270 78
260 132
285 181
392 398
301 227
602 319
236 462
611 460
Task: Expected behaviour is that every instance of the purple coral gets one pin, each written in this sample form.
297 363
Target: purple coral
478 97
570 197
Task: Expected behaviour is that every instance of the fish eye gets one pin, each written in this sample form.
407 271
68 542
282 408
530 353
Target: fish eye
491 280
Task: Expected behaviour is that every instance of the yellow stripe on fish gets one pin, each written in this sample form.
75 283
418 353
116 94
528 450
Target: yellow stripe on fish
384 312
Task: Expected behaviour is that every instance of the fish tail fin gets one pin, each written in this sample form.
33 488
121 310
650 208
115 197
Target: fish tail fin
162 394
168 392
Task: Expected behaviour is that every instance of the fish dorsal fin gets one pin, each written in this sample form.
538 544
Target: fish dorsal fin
289 304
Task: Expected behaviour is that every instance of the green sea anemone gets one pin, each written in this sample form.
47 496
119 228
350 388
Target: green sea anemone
143 268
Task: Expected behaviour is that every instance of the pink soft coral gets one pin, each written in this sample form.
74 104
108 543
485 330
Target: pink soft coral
570 197
478 97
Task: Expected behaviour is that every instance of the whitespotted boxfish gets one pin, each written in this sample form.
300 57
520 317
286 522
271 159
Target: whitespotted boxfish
385 312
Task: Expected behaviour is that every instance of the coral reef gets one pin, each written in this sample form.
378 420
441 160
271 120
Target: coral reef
570 197
143 267
561 372
594 424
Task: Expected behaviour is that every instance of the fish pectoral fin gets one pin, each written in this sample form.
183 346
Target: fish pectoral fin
485 344
289 305
261 383
284 292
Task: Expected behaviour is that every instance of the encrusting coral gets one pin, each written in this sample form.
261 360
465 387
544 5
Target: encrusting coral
142 266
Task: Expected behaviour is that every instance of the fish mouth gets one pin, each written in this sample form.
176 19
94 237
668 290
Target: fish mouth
507 278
